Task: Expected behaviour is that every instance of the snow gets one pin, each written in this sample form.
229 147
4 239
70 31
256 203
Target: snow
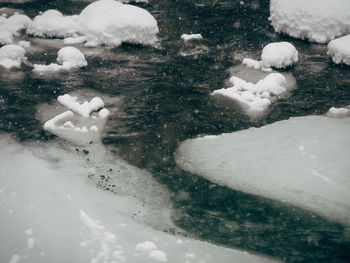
315 20
279 55
188 37
145 246
111 23
74 40
85 108
24 44
10 27
11 56
53 24
158 255
68 57
339 49
87 228
269 162
338 112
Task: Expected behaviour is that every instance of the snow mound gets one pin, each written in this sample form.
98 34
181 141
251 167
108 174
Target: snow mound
11 56
338 112
188 37
285 161
279 55
10 27
53 24
68 57
316 20
339 49
111 23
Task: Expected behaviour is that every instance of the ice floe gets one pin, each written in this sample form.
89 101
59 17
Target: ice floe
279 55
10 27
338 112
315 20
68 57
12 56
285 161
339 49
188 37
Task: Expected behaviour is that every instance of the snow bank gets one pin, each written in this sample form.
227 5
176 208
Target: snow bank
285 161
49 194
279 55
111 23
316 20
339 49
68 57
338 112
10 27
53 24
188 37
11 56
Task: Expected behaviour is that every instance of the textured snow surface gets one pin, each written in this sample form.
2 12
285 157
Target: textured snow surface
45 188
286 161
11 56
279 55
10 27
339 49
68 57
315 20
111 23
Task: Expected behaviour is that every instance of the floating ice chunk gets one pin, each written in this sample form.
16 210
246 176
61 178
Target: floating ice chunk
11 56
339 49
9 27
145 246
267 162
251 63
69 57
74 40
158 255
279 55
85 108
188 37
316 20
111 23
53 24
24 44
338 112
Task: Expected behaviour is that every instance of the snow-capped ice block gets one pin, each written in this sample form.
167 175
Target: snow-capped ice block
339 49
188 37
47 203
339 112
10 27
286 161
315 20
11 56
279 55
53 24
110 23
68 57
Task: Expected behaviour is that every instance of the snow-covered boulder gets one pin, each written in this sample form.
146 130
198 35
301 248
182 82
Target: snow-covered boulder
68 57
12 56
286 161
339 112
53 24
10 27
339 49
188 37
315 20
110 23
279 55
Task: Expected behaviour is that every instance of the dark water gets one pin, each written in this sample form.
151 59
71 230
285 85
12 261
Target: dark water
166 100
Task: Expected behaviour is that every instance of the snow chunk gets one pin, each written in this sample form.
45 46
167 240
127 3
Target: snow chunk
24 44
316 20
145 246
53 24
338 112
9 27
339 49
11 56
111 23
69 57
187 37
15 259
158 255
74 40
267 162
279 55
85 108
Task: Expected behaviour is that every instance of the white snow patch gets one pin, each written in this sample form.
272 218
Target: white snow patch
279 55
158 255
339 49
316 20
24 44
29 232
338 112
15 259
266 162
74 40
145 246
11 56
30 243
85 108
188 37
10 27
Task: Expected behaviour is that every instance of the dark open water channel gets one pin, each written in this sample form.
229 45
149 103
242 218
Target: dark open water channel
166 100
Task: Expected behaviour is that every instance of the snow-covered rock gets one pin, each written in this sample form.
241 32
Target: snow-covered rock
68 57
339 49
11 56
338 112
53 24
111 23
285 161
10 27
188 37
279 55
315 20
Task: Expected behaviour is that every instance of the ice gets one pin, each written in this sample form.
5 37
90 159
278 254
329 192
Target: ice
111 23
94 225
339 49
279 55
53 24
68 57
158 255
10 27
188 37
145 246
85 108
74 40
269 162
11 56
338 112
315 20
24 44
